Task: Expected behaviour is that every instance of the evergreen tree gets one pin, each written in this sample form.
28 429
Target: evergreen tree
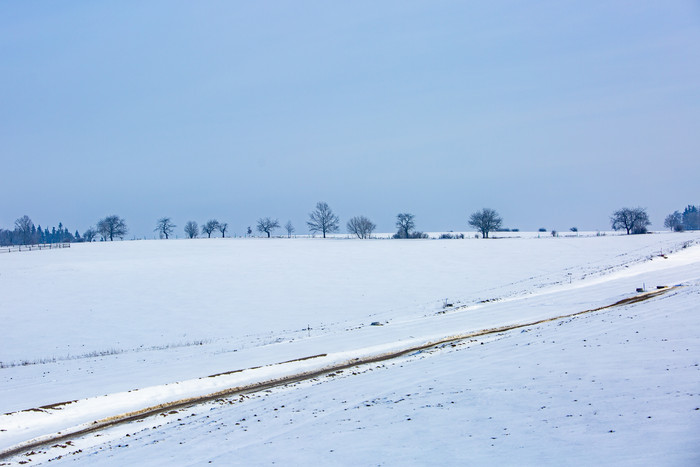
691 218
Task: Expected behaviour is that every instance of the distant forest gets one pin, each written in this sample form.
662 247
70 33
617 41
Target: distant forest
689 219
26 233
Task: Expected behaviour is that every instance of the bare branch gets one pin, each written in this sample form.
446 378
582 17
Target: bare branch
323 220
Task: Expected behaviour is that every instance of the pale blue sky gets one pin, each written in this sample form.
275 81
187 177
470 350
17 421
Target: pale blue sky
553 113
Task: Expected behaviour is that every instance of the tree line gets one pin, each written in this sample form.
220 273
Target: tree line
689 219
26 233
322 220
636 220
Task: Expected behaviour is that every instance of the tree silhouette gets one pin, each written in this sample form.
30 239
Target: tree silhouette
164 227
267 225
486 220
112 226
323 220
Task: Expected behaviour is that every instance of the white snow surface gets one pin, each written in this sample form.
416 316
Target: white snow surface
117 327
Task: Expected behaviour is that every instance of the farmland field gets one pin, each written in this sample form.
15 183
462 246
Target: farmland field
95 322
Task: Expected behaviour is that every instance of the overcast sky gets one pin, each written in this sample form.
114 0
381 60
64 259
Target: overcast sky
553 113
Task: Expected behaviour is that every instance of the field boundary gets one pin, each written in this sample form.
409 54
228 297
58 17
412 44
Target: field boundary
38 246
104 423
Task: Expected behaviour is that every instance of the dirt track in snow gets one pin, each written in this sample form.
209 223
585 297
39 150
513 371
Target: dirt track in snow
97 425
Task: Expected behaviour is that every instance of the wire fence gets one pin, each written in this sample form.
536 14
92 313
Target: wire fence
40 246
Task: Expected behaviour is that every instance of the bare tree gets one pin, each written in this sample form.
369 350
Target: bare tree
112 226
289 228
89 235
485 221
222 228
674 222
323 220
191 229
267 225
164 227
361 226
210 226
405 223
633 220
23 229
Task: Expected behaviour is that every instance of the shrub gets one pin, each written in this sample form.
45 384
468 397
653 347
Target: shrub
415 234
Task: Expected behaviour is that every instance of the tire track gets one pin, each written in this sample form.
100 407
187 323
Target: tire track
115 420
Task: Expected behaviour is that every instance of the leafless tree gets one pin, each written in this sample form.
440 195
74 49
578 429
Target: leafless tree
191 229
674 222
323 220
210 227
289 228
633 220
23 228
112 226
89 235
164 227
222 228
405 223
267 225
486 220
361 226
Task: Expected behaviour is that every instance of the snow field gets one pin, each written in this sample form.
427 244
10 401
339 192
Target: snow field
606 388
129 296
340 286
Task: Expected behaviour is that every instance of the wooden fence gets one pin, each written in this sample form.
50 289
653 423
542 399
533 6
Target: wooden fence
41 246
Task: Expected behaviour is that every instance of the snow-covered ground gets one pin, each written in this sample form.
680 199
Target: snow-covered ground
616 386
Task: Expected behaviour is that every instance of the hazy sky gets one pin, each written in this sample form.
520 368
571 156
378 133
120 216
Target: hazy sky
554 113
